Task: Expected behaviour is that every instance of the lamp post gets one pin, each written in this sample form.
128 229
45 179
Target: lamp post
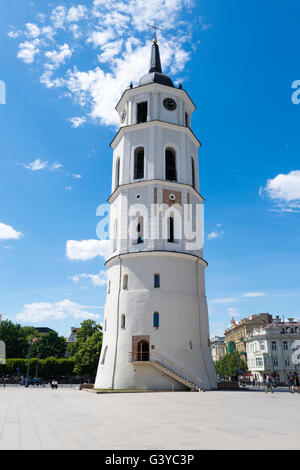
28 365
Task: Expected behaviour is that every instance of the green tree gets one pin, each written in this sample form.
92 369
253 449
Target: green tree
87 328
16 338
229 365
50 345
87 357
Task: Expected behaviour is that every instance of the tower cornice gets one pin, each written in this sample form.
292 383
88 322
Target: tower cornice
176 254
147 124
131 92
173 184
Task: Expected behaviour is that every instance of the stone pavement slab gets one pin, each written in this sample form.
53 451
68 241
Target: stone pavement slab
71 419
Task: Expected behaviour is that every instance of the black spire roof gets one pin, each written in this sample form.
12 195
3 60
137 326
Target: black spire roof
155 74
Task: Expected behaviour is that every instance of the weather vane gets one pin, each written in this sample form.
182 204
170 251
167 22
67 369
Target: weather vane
155 28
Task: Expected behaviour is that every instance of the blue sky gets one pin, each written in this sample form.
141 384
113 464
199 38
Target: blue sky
65 65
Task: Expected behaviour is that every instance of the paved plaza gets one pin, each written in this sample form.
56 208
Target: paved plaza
72 419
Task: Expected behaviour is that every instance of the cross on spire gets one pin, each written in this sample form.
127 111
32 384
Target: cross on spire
155 28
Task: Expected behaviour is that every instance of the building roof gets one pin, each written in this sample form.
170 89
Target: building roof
155 74
43 330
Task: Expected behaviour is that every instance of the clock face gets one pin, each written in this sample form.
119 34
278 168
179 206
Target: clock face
123 116
169 104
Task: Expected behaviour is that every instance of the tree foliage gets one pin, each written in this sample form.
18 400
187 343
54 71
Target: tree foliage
229 365
16 338
47 368
50 345
88 349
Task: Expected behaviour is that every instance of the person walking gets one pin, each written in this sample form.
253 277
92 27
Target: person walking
297 382
269 384
291 382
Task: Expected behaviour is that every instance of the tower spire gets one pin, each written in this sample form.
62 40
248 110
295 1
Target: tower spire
155 63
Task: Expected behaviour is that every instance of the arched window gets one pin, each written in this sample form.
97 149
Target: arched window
156 280
117 173
140 229
156 320
123 321
104 355
139 163
171 229
125 281
171 165
193 172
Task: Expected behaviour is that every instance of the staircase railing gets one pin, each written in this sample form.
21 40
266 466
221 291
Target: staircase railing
163 361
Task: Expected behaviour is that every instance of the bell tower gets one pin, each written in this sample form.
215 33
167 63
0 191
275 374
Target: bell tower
156 333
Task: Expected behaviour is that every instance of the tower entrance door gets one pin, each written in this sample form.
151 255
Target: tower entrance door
143 351
141 348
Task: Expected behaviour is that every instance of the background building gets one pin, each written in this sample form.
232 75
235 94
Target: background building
218 347
270 349
236 334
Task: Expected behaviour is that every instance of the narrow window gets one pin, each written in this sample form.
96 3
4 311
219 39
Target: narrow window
156 320
187 120
141 112
125 281
115 235
105 324
108 287
193 173
171 165
104 355
139 163
123 321
156 280
171 230
117 173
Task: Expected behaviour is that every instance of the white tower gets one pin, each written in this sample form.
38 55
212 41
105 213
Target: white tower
156 333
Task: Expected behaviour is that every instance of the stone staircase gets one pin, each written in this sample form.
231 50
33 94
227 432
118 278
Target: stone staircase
175 375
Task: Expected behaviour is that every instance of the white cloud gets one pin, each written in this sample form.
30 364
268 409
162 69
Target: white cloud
77 177
58 16
284 191
59 56
68 188
100 38
33 31
98 280
227 300
87 249
38 165
215 235
28 51
233 312
9 233
254 294
42 311
76 13
115 31
77 121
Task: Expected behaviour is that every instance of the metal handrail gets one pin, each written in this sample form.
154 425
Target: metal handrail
176 366
156 357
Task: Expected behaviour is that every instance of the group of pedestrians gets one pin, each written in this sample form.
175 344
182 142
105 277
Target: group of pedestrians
293 382
54 384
